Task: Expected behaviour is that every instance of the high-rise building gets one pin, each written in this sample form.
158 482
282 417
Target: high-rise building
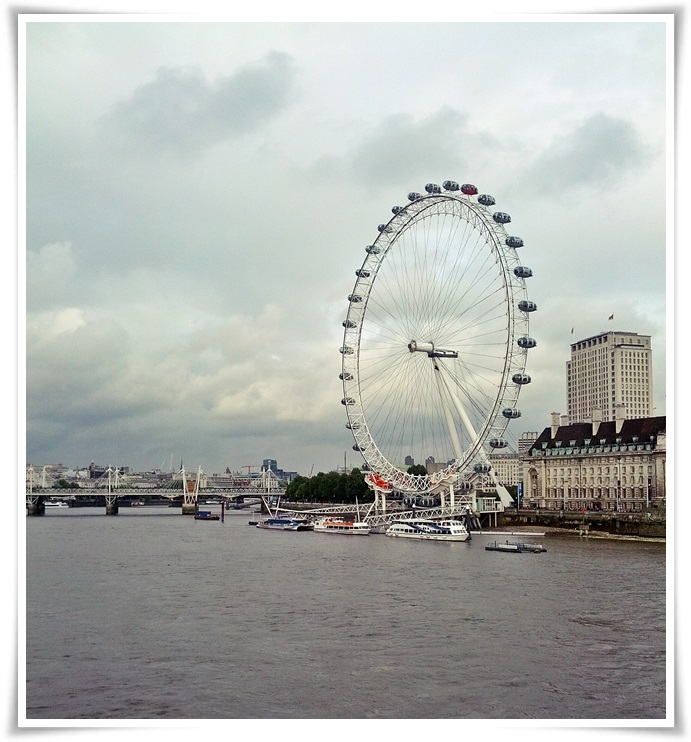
609 371
270 465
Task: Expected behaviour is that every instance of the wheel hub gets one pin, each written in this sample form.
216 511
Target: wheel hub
432 352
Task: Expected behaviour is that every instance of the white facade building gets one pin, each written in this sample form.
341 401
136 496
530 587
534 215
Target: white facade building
507 468
609 371
616 465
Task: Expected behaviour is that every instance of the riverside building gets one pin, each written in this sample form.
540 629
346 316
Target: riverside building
614 465
609 370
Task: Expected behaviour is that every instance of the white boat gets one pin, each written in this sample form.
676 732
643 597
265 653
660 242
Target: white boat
431 530
341 525
56 504
284 524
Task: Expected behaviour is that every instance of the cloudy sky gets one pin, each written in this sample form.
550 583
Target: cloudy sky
199 195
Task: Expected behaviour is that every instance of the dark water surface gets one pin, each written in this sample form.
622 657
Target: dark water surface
152 615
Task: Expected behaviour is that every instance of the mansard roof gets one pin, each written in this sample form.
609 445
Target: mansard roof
643 429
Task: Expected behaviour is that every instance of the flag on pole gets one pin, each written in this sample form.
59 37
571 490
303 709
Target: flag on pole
611 316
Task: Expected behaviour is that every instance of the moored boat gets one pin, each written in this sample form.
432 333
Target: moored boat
56 504
422 528
206 515
341 525
284 524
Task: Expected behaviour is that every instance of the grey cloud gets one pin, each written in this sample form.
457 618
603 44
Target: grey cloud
598 152
181 111
401 147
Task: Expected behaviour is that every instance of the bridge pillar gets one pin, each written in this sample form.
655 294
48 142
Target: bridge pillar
35 506
112 506
189 508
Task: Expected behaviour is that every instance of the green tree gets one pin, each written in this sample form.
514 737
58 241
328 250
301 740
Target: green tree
331 487
417 469
65 485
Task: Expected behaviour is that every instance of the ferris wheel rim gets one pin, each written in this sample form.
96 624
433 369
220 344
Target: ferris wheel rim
464 208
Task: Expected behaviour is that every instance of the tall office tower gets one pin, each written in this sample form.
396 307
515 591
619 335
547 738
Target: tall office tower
610 370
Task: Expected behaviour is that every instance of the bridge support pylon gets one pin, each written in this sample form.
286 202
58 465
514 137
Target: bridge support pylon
112 507
35 506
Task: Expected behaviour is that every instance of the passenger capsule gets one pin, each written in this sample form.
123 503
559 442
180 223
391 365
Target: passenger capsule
362 272
521 379
498 443
486 200
396 209
345 376
347 401
526 342
514 241
432 188
481 468
450 185
412 196
356 447
352 426
501 217
346 350
372 249
469 189
522 272
527 306
354 298
384 228
510 413
349 324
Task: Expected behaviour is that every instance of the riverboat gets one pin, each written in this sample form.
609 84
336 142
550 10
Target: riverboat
422 528
56 504
341 525
515 548
206 515
285 524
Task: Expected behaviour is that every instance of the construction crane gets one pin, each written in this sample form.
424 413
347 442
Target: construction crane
249 468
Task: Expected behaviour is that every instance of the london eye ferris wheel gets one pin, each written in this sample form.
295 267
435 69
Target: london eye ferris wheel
435 339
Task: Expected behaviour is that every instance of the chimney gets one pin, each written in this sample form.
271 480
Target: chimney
597 419
620 416
555 423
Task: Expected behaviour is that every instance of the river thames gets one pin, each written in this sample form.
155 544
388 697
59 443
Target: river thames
152 615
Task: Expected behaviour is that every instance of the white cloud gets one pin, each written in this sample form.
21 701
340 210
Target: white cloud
49 272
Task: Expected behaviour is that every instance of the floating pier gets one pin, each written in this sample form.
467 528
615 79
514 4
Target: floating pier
515 548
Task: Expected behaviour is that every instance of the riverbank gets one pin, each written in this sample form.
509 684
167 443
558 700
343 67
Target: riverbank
553 531
649 525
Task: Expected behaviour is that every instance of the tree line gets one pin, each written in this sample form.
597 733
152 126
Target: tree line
329 487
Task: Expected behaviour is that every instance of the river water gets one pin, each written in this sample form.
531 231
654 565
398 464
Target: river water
153 615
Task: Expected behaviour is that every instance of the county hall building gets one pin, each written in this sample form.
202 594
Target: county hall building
608 452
